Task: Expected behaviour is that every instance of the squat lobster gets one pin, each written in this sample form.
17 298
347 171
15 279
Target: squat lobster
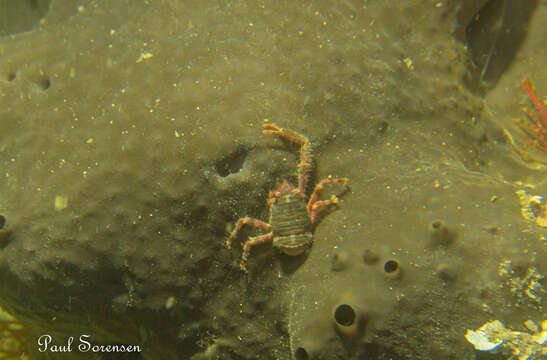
291 217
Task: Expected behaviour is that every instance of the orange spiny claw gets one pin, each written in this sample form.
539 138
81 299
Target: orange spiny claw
274 129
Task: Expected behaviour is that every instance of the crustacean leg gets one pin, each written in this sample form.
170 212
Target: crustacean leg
252 241
304 166
314 205
239 224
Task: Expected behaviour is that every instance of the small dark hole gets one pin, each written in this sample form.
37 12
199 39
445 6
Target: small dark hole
441 234
344 315
233 163
370 257
11 76
445 272
382 127
44 83
436 225
301 354
519 270
2 221
494 230
339 261
391 266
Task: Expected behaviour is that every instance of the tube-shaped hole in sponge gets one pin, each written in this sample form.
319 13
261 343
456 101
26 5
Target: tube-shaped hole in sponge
370 257
301 354
44 83
392 269
344 315
391 266
441 234
232 163
437 224
339 261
